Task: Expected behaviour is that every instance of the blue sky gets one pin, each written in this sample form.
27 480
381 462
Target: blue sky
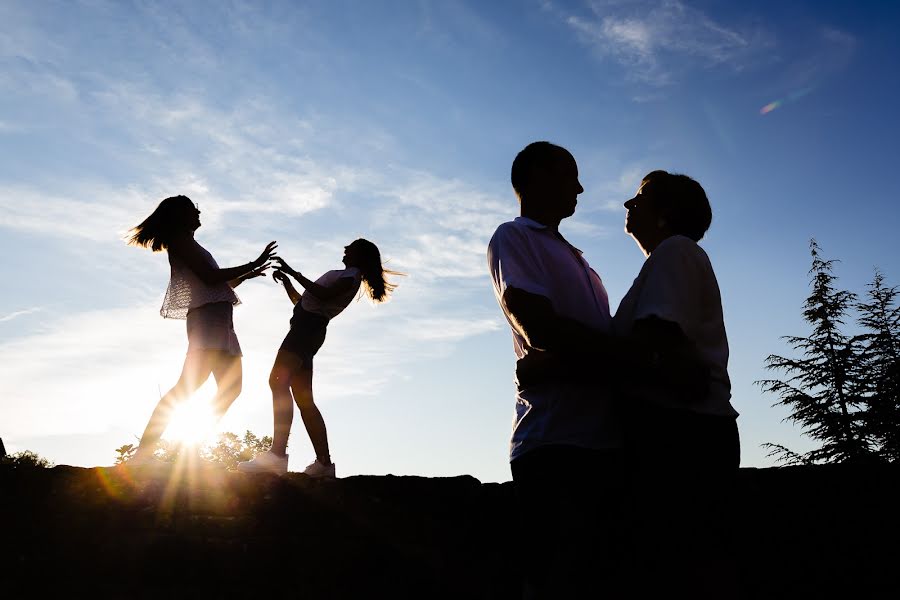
314 123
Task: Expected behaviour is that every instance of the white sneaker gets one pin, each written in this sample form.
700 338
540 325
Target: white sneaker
319 470
265 462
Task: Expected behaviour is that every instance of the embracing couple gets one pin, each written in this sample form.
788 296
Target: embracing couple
625 444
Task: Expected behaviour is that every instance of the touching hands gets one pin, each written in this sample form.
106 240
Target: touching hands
280 276
284 267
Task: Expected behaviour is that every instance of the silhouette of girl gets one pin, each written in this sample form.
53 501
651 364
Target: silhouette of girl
203 294
292 372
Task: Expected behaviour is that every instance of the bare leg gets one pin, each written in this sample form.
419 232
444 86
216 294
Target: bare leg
228 373
196 370
282 402
301 386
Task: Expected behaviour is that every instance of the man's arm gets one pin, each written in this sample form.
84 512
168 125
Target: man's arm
543 329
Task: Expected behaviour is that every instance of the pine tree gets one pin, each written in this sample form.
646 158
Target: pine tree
824 388
880 318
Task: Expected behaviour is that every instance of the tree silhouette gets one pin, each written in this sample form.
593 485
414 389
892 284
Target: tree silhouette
26 459
825 388
228 451
880 319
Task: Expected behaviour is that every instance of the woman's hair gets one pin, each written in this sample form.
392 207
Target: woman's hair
168 220
682 202
377 287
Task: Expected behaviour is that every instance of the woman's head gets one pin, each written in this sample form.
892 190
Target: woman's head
364 255
174 216
667 204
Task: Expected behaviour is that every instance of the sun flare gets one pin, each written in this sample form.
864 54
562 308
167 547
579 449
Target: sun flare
191 423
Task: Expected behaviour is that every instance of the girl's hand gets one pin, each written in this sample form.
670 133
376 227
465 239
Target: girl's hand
267 255
280 276
283 266
259 272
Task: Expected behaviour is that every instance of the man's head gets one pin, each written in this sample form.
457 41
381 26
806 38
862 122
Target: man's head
545 178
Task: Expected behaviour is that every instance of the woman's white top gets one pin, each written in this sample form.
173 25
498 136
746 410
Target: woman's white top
332 307
187 291
677 284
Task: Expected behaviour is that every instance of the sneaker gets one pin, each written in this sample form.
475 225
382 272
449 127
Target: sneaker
319 470
265 462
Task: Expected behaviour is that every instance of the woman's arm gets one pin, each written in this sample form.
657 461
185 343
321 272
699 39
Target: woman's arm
196 262
671 357
341 286
292 293
260 272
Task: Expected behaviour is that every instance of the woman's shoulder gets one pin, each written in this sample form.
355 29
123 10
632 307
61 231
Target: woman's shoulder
183 244
679 252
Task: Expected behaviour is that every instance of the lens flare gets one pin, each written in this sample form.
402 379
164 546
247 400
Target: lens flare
769 107
191 423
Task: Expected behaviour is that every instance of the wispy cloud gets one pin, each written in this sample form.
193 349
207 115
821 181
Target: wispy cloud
19 313
658 39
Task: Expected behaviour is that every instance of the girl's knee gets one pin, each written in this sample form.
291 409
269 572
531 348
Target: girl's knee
279 380
303 398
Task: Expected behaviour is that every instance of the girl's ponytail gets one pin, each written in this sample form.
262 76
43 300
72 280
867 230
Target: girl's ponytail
374 275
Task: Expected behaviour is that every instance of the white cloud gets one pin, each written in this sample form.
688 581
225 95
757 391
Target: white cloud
19 313
656 39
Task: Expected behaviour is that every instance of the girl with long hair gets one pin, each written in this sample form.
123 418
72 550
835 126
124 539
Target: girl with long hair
203 294
291 376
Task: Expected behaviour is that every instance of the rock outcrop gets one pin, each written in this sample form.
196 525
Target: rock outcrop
176 532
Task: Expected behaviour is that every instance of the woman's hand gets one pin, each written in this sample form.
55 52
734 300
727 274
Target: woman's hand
538 367
284 267
267 255
258 272
280 276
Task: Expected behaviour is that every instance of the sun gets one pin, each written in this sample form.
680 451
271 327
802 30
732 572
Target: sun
191 423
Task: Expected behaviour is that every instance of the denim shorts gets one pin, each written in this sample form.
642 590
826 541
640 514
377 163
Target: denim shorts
306 336
210 327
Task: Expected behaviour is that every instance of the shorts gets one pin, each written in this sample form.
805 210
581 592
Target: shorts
306 336
211 327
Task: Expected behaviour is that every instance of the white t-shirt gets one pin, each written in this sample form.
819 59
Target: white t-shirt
332 307
186 290
677 284
527 255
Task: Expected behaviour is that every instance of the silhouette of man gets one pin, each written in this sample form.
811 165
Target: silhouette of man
565 450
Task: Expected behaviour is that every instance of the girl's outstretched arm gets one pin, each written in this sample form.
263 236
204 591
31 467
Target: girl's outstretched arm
341 286
191 255
260 272
281 276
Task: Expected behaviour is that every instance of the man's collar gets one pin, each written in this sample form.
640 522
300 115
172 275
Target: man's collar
528 222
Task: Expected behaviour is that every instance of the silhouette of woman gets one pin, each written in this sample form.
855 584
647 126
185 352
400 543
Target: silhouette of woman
292 372
681 434
203 294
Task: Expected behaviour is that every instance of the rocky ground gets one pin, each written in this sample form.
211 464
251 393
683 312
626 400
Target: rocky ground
175 531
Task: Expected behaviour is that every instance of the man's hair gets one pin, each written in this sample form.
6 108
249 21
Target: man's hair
682 201
533 157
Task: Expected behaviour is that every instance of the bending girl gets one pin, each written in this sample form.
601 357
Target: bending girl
293 369
202 293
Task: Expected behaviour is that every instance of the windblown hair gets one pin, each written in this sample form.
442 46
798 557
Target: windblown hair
534 157
683 203
167 221
374 275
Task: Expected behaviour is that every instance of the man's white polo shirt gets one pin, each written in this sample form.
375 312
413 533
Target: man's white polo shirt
527 255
